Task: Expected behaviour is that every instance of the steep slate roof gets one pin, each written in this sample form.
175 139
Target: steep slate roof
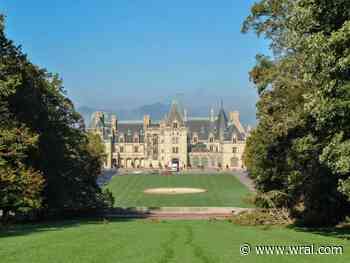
220 128
221 123
232 130
222 120
174 114
201 127
129 129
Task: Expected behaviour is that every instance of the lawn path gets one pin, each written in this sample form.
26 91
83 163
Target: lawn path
244 178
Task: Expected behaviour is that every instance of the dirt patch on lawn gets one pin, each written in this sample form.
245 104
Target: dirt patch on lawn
174 191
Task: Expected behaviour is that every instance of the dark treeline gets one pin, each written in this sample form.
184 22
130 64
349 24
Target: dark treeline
47 162
299 153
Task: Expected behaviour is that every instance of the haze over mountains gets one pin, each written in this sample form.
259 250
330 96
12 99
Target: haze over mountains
197 102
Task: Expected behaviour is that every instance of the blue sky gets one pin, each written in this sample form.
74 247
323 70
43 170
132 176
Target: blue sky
126 53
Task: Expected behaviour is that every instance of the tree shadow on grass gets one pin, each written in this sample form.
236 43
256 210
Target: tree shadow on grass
334 232
63 222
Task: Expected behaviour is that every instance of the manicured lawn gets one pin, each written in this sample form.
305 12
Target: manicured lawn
144 241
223 190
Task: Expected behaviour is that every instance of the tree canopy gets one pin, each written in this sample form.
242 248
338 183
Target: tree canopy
46 159
300 146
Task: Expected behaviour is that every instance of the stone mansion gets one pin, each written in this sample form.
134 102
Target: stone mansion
216 141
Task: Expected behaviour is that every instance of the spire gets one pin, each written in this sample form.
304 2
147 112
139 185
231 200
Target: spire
222 121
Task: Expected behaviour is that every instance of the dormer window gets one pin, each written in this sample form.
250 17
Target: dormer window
234 138
136 138
121 139
211 139
175 125
195 139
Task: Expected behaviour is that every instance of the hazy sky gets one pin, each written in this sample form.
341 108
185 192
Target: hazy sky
126 53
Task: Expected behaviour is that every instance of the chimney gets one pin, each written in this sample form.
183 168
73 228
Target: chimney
114 123
146 121
96 117
234 118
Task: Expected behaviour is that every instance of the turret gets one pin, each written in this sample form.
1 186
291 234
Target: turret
174 115
221 122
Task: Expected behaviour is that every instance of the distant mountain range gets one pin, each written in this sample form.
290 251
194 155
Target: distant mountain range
157 111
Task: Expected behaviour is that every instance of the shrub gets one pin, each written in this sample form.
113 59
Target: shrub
262 217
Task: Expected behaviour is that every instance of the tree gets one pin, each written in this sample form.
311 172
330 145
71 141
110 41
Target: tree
304 106
43 135
96 149
20 183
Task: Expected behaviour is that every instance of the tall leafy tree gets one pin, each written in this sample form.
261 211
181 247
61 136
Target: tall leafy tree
300 144
42 136
20 183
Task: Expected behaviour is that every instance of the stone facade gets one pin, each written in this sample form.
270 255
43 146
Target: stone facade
213 142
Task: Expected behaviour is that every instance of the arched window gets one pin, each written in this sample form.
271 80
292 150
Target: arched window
175 125
212 162
175 149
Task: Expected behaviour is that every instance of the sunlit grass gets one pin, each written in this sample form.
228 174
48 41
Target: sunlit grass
145 241
223 190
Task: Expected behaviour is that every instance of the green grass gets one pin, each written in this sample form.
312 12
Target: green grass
222 191
139 241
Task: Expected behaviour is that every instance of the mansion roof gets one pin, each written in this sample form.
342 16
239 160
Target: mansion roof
219 128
